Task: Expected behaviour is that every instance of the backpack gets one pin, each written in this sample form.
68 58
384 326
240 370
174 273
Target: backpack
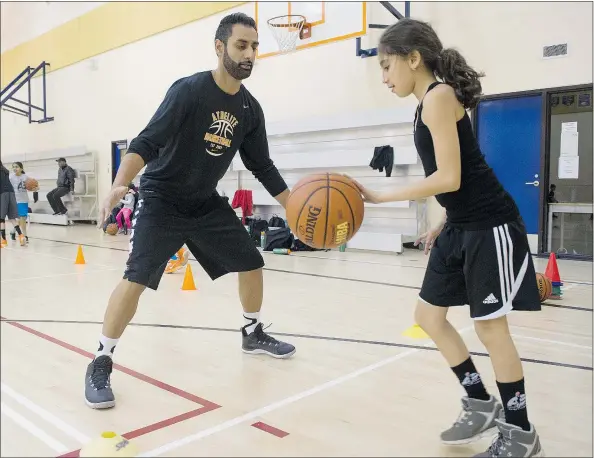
300 246
276 221
279 238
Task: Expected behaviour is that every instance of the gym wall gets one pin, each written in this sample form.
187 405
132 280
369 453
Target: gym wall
112 95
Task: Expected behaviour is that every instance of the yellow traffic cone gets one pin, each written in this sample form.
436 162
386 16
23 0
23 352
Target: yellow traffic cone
188 284
415 332
80 258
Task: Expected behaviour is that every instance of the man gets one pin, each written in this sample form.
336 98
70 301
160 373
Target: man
188 146
65 184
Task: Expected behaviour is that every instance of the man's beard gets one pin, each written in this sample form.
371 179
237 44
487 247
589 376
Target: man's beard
234 69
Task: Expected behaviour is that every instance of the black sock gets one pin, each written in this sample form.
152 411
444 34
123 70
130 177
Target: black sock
18 230
471 380
3 231
513 397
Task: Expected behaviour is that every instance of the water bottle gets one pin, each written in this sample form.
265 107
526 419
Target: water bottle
342 248
262 239
281 251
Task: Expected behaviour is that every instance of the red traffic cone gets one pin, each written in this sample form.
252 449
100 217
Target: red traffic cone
552 271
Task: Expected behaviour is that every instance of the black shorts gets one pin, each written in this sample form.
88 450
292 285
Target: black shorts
491 270
211 231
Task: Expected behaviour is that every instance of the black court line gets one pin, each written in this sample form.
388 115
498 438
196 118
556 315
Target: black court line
307 274
306 336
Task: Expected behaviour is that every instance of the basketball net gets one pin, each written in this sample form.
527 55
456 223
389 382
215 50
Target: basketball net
286 29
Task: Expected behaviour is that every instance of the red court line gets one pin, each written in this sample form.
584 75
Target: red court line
207 406
153 427
133 373
270 429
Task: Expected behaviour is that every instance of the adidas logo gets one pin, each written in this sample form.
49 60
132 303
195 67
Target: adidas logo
491 299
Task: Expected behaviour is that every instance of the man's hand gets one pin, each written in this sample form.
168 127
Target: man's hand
282 198
130 166
112 199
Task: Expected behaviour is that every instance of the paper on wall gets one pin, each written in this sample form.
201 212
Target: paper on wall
569 167
569 126
569 143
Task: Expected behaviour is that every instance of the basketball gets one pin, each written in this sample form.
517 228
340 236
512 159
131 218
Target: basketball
545 287
112 229
325 210
31 184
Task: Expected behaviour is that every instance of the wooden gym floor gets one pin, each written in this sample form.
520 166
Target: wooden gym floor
356 386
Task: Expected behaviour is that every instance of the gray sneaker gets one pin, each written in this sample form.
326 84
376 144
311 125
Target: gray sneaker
258 342
514 441
98 394
476 420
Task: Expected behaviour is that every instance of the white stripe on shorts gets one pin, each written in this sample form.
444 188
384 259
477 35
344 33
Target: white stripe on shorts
509 284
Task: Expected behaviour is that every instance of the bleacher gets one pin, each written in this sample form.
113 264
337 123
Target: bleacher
42 165
344 144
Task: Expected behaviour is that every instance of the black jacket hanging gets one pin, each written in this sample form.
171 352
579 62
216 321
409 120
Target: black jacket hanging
383 158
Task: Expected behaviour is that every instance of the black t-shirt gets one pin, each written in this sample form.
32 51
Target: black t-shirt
191 140
481 202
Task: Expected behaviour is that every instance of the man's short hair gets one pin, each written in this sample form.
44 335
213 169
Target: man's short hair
225 28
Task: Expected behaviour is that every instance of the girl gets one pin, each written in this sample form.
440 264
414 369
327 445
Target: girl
128 202
8 207
479 252
18 179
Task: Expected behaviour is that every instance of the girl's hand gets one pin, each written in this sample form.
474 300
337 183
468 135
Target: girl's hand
428 238
373 197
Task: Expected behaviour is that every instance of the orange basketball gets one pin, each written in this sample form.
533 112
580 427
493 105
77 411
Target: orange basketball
112 229
545 287
325 210
31 184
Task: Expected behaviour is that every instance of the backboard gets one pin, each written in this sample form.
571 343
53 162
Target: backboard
330 22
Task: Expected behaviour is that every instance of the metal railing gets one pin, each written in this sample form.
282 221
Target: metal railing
7 94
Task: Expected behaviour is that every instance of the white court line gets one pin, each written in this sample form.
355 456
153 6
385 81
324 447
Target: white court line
283 402
37 253
569 286
42 413
297 255
555 333
556 342
577 282
57 275
37 432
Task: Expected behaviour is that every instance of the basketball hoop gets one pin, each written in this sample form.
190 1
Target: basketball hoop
287 28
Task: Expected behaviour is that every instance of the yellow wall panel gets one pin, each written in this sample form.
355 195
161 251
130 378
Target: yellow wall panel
105 28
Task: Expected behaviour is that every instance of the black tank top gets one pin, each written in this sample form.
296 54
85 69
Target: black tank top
481 202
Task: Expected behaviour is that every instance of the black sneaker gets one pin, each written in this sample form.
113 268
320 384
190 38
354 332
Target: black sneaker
98 394
258 342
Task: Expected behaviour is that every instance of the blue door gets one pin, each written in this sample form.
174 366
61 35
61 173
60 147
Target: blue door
509 134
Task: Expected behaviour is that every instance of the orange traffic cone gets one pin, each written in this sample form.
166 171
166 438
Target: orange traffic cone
188 284
552 273
80 258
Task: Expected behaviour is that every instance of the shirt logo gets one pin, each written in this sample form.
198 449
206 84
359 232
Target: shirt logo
219 136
